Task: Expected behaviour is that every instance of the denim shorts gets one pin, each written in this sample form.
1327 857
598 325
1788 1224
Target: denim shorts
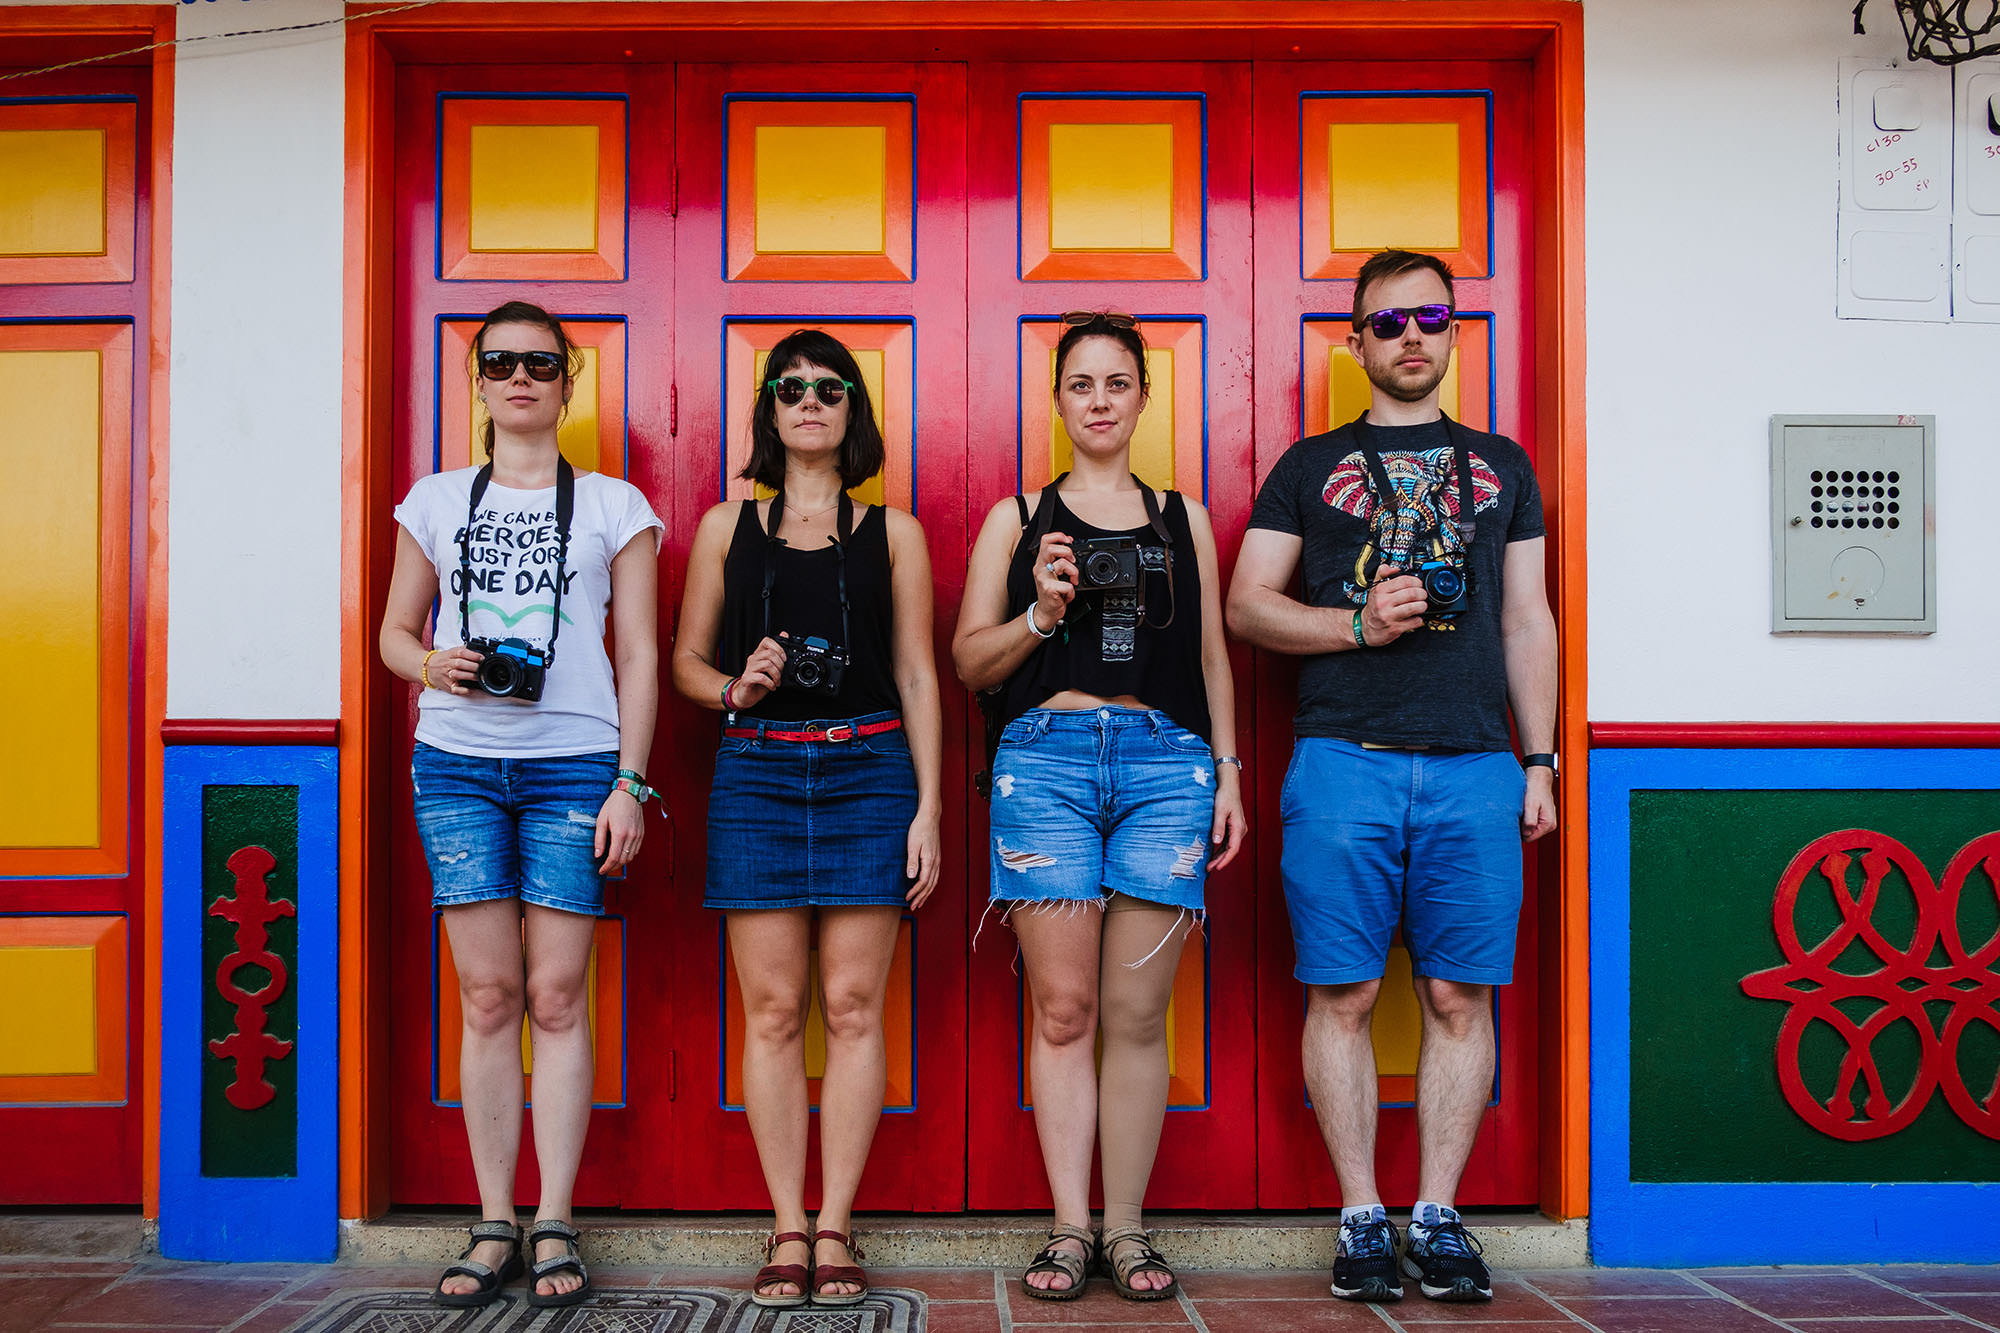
810 823
498 828
1428 838
1096 801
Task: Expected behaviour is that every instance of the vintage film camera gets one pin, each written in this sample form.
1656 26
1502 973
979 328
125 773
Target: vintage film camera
1113 564
814 665
1447 586
510 668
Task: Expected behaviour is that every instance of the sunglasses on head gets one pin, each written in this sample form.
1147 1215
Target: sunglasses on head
791 389
543 366
1389 323
1076 319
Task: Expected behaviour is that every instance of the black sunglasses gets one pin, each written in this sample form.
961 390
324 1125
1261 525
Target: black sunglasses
1386 324
543 366
791 389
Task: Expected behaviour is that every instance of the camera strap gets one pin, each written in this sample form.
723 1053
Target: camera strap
843 521
565 510
1461 463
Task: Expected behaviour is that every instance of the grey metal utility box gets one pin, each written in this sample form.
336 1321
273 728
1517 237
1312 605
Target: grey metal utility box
1852 547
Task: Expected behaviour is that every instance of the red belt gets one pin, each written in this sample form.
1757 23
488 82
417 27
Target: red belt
810 734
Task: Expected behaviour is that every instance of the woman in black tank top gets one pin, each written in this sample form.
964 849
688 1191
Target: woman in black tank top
807 624
1092 623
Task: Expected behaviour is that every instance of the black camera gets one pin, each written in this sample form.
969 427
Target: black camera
1447 587
813 664
1113 564
509 668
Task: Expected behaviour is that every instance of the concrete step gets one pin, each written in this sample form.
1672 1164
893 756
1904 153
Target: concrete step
1234 1242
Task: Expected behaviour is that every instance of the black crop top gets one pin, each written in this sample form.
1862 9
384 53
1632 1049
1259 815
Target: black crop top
1162 667
805 600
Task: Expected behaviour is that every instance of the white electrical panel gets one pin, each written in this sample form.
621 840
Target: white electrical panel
1976 220
1852 547
1895 191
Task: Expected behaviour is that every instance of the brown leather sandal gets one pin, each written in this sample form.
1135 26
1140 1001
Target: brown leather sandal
1049 1259
826 1273
1139 1256
770 1275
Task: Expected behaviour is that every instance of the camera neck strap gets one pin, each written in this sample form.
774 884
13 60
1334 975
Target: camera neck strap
1461 464
843 521
565 509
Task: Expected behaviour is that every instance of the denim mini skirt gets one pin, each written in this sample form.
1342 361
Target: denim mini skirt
821 823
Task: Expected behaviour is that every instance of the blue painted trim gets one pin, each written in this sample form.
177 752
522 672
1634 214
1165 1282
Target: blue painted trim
1124 95
293 1219
1398 95
1346 317
70 100
729 99
1687 1224
814 322
437 172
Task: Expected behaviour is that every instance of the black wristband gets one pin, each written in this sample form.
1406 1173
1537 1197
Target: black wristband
1547 761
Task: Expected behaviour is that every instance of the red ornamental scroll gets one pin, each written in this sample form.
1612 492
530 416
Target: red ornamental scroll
1903 985
253 912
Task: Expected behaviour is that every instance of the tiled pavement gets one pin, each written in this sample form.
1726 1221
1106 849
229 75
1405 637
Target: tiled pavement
272 1298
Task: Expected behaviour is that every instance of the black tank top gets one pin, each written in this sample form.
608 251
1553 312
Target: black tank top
1163 669
805 600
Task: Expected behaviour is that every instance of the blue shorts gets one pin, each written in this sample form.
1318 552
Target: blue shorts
810 823
501 828
1428 838
1096 801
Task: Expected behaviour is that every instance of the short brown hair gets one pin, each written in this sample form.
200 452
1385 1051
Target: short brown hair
861 449
1394 263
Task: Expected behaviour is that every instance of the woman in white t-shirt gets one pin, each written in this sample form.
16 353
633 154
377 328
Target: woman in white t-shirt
527 766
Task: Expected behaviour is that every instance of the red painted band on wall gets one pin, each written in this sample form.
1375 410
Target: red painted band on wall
1795 735
249 731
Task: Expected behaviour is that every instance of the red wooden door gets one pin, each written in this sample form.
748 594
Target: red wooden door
75 279
551 184
830 196
1127 187
1349 159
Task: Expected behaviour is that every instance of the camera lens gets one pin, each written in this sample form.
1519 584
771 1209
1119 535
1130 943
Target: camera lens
809 672
499 674
1101 568
1445 585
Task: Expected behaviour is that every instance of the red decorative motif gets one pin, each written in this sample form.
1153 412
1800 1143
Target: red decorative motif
253 912
1904 984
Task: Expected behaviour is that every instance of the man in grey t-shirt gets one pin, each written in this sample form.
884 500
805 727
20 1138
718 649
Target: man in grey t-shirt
1419 546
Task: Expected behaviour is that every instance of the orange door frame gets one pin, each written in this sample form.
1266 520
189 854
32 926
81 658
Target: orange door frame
1545 34
136 35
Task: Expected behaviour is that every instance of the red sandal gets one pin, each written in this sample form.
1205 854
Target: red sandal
770 1275
828 1273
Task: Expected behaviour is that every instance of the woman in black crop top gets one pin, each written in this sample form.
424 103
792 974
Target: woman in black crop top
807 623
1093 615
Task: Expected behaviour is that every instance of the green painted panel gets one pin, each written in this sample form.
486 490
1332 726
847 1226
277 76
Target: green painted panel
1707 1103
247 1127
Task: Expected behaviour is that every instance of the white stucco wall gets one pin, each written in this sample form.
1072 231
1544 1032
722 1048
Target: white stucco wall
254 519
1711 277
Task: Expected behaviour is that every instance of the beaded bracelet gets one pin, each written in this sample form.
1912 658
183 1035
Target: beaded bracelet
425 669
1359 642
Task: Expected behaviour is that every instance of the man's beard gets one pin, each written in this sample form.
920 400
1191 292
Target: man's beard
1410 390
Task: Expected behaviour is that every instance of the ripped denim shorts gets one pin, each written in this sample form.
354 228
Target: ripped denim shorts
502 828
1096 801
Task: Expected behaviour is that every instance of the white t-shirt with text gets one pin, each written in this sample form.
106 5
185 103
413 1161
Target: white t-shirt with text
513 547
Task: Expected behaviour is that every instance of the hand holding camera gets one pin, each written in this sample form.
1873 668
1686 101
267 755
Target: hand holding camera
1055 579
762 671
1396 605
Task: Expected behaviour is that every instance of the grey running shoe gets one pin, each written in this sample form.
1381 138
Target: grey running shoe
1364 1261
1445 1261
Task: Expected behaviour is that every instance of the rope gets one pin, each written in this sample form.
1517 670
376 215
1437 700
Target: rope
211 37
1945 31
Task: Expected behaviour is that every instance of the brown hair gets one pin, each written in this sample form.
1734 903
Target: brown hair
523 312
861 449
1394 263
1123 332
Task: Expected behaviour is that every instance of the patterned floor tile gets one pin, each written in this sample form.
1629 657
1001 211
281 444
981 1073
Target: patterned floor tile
612 1310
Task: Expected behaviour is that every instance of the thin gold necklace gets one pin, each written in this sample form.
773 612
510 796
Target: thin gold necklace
805 517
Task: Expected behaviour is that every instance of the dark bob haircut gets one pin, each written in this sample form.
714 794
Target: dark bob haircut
1392 264
861 450
1124 331
522 312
